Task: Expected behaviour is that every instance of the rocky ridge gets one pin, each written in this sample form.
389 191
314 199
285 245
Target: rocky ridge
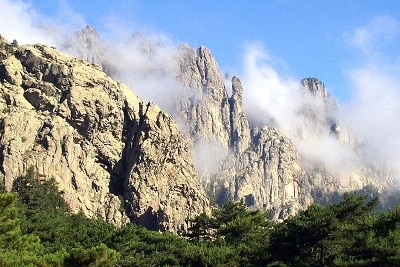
263 166
112 155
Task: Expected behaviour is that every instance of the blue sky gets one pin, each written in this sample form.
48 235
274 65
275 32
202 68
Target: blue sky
306 38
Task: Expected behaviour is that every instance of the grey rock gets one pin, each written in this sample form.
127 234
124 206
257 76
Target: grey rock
112 155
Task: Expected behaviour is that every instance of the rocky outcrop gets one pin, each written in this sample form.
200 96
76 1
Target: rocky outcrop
161 186
263 167
316 88
320 117
204 107
112 155
268 175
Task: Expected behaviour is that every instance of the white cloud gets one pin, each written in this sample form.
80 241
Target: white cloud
268 97
373 112
368 38
23 23
19 21
275 100
147 64
201 156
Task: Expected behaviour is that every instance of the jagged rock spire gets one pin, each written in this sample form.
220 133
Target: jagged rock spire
315 87
240 131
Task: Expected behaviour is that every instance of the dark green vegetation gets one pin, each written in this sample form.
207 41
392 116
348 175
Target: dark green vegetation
37 229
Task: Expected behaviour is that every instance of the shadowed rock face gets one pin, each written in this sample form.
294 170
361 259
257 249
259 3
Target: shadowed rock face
112 155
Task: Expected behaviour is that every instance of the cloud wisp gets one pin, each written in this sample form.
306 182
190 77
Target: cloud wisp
371 116
24 30
281 102
23 23
374 108
370 38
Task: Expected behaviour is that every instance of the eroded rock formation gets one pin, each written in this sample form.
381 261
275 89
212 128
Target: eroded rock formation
112 155
263 166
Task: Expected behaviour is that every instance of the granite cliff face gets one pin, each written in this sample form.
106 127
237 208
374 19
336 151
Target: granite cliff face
262 166
112 155
320 119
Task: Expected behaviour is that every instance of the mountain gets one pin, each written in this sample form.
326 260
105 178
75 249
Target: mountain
262 165
116 157
112 155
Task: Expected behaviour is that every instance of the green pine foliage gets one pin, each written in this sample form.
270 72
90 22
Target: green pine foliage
38 229
141 247
16 248
65 239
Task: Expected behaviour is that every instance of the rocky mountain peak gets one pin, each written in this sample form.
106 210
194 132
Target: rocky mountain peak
86 45
259 162
88 36
264 167
237 90
315 87
89 31
199 71
145 45
240 130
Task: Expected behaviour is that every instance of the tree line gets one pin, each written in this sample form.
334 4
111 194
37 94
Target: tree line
38 229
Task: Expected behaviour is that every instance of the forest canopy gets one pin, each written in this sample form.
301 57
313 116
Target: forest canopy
38 229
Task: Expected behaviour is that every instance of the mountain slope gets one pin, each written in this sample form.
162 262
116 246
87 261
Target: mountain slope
112 155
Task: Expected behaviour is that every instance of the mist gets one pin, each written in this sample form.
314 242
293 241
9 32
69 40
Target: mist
22 22
280 101
374 113
370 118
146 63
201 156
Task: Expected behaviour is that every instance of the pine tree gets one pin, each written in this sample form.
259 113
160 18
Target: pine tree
16 249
